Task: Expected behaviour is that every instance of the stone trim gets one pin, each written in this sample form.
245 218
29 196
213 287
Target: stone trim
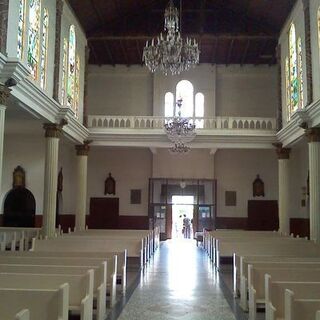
313 134
4 94
282 153
4 10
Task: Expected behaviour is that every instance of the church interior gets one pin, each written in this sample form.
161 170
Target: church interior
160 159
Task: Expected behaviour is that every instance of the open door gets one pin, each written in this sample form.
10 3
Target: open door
169 222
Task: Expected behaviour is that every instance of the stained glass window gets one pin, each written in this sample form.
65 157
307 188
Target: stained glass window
77 87
184 90
34 37
168 104
44 49
288 94
199 110
21 28
71 67
293 64
301 98
64 71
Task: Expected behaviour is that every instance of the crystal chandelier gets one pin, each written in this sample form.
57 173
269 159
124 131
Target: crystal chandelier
180 131
169 53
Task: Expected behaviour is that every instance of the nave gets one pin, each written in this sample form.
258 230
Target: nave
180 283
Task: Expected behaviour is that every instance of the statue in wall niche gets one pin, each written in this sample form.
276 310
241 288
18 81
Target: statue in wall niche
19 178
258 187
110 185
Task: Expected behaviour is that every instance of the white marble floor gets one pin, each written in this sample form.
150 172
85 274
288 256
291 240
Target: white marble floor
179 283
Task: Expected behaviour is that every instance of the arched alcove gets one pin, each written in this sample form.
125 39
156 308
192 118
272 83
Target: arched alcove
19 208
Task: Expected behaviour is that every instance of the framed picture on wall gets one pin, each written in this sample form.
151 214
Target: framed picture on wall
135 196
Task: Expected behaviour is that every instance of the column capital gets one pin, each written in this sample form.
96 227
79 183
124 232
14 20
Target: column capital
313 134
4 94
54 130
83 149
282 153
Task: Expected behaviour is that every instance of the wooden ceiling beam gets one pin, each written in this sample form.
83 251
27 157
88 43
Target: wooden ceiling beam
205 36
230 52
124 52
95 57
214 54
110 55
245 53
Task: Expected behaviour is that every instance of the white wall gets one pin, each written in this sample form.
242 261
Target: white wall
120 90
235 170
130 167
197 164
28 151
249 91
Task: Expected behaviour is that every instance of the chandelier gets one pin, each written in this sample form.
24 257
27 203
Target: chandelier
169 53
180 131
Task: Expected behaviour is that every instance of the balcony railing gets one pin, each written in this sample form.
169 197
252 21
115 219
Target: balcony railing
154 122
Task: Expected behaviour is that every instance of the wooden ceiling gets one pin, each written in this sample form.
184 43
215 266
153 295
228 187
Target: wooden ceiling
228 31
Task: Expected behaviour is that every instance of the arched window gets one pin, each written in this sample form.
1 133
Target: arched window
199 109
184 90
21 28
288 100
169 105
293 64
300 71
64 71
71 67
34 37
44 49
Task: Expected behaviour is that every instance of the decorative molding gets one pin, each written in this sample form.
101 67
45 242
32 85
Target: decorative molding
4 94
282 153
85 87
54 130
279 109
313 134
57 50
83 149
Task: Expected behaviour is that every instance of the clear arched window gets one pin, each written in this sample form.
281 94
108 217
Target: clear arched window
21 28
184 90
300 71
287 73
199 109
34 37
64 71
293 64
77 87
44 49
169 105
71 67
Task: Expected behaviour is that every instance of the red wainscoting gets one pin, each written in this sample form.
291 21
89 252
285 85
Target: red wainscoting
231 223
300 226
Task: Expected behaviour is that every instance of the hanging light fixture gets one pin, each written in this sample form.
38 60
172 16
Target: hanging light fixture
180 131
169 53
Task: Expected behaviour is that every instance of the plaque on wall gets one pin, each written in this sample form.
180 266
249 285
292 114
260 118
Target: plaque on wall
258 187
231 198
19 178
135 196
110 185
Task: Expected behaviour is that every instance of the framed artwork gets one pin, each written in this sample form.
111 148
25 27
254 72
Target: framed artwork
135 196
258 187
19 178
231 198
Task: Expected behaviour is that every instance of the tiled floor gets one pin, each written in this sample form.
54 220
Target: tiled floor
180 283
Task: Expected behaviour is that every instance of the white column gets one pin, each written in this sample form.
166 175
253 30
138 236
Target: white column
53 132
284 193
81 185
4 95
314 172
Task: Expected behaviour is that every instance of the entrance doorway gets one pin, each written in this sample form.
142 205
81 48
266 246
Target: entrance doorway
182 217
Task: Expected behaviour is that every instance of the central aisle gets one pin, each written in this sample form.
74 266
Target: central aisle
179 283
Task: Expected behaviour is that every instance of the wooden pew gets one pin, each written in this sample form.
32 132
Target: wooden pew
42 304
134 249
71 261
297 309
275 293
80 288
256 282
279 262
23 315
120 266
